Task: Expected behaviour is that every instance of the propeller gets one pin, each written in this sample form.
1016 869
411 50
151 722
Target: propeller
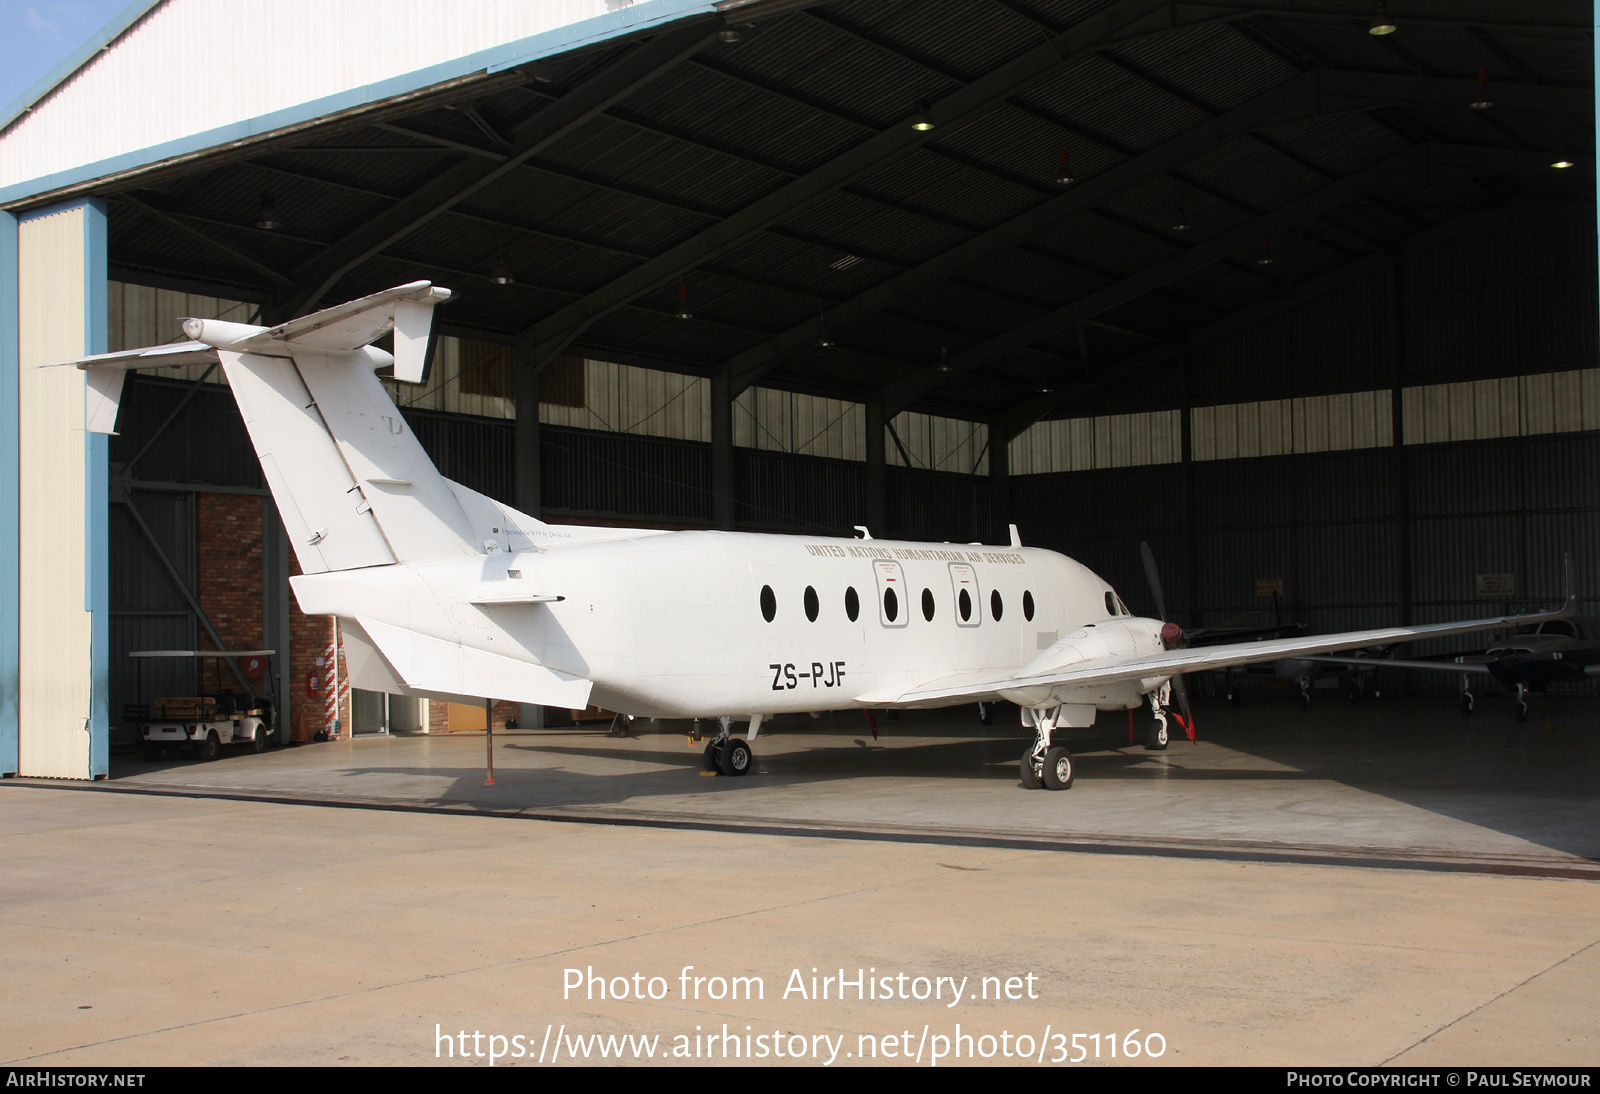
1172 636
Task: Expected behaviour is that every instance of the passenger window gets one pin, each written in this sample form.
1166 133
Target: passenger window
927 605
1027 605
891 605
769 604
811 604
852 603
964 605
997 607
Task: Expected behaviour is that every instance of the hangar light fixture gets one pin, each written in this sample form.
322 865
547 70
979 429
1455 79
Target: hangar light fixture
1381 23
1064 177
267 213
922 120
501 274
944 364
1266 255
825 340
1180 219
683 302
730 34
1562 163
1482 102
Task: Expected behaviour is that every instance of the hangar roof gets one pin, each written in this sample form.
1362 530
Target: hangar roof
753 165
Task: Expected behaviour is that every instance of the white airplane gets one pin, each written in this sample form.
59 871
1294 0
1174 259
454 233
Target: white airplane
447 593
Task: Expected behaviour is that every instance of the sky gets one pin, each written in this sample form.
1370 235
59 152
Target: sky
37 35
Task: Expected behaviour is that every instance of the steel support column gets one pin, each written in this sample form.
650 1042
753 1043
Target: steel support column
724 501
526 454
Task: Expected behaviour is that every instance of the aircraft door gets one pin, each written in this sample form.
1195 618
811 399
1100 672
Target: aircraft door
894 605
968 599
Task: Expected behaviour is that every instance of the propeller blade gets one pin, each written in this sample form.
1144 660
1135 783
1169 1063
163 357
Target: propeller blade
1171 635
1153 579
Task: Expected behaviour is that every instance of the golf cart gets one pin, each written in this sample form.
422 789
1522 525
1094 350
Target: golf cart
218 715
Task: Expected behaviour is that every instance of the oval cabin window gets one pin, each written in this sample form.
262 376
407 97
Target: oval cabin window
891 605
927 605
1027 605
852 603
811 604
769 604
997 607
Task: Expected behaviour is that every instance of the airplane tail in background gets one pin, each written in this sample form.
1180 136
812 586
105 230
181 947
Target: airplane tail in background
352 483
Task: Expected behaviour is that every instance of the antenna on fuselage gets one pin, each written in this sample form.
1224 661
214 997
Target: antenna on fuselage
861 529
1016 536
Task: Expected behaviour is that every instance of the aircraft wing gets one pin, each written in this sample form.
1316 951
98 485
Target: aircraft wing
1465 668
1173 662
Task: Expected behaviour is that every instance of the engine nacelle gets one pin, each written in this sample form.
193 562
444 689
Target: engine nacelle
1123 636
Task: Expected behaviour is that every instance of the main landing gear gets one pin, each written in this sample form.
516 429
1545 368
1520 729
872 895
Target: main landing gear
1044 764
1157 741
1519 692
728 755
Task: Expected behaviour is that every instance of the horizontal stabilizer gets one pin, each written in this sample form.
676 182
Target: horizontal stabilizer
437 665
105 373
408 309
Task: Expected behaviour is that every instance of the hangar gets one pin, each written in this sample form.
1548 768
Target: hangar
1300 291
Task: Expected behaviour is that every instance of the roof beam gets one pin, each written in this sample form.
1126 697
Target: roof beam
1292 98
640 65
1362 269
1315 92
1122 19
904 392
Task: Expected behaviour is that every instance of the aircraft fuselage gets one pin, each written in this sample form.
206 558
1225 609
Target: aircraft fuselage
706 623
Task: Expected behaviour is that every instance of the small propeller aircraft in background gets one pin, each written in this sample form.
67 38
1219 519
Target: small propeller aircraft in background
447 593
1537 655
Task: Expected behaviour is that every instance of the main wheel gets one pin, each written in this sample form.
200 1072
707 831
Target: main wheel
1158 738
1030 771
736 758
712 759
1057 773
211 747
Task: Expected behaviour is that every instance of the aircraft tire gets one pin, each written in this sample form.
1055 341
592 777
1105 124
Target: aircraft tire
736 758
1058 769
1158 739
1030 774
712 759
1466 704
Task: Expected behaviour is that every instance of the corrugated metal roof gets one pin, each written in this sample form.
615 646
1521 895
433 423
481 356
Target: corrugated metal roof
777 176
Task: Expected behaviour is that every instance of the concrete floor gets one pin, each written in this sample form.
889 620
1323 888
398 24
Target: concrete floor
227 914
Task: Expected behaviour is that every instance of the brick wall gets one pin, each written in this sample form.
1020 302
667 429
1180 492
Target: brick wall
228 568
